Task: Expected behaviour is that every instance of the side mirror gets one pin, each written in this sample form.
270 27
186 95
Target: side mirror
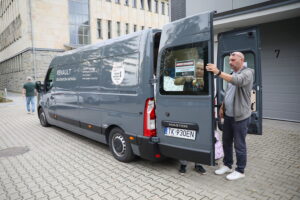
39 86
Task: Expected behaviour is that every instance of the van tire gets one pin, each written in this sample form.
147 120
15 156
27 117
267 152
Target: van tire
43 118
119 145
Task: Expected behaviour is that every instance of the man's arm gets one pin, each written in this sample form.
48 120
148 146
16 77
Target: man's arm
23 92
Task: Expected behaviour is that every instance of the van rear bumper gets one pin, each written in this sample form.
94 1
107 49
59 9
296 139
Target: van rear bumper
148 149
180 153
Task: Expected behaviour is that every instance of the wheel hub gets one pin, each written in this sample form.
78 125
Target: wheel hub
119 145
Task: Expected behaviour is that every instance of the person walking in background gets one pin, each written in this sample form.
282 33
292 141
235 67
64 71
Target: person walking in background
236 112
29 91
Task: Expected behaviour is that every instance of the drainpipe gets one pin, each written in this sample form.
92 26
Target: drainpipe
32 39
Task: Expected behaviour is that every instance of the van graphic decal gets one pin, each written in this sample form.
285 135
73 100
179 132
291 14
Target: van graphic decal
117 73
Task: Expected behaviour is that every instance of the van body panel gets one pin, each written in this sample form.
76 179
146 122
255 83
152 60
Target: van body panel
188 40
86 98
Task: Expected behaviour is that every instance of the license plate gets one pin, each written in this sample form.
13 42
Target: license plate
180 133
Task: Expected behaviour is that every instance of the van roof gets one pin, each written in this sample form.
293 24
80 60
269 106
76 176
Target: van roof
117 46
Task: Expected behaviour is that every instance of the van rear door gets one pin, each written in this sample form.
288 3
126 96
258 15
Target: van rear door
246 41
184 94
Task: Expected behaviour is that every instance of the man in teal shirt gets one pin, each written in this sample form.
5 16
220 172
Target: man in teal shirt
29 90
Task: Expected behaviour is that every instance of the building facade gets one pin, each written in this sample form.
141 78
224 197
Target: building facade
279 25
32 32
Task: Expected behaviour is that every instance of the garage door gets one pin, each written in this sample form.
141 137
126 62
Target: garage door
280 55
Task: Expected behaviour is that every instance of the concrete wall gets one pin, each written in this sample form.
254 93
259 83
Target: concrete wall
50 22
125 14
14 81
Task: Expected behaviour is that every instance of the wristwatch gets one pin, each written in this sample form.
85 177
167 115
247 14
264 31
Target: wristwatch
218 74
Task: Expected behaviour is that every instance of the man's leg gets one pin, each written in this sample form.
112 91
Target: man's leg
28 104
182 168
240 132
227 138
33 104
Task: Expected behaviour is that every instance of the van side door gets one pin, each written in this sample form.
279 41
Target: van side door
47 98
66 97
185 90
246 41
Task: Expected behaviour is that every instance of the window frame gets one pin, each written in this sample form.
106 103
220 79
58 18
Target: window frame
163 8
228 54
205 91
156 6
134 4
118 28
99 28
109 29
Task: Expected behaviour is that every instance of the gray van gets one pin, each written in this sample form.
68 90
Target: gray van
141 93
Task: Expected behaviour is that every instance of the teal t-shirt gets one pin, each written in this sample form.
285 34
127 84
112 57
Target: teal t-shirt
29 87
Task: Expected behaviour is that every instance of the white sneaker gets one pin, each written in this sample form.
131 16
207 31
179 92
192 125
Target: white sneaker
223 170
235 175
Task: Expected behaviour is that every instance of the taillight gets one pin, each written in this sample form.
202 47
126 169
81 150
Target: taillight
149 118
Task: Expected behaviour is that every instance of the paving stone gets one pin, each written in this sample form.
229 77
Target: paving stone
64 165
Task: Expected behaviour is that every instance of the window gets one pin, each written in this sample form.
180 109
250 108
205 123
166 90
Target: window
149 5
99 28
126 28
109 29
156 5
49 79
108 0
126 2
183 71
249 62
142 27
134 28
163 8
134 3
142 4
117 1
118 28
79 23
168 7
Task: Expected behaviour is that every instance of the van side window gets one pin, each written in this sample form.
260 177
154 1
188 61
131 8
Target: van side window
182 70
50 79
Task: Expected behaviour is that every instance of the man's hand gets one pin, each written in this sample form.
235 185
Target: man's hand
212 68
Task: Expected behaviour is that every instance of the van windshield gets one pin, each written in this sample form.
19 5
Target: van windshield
182 70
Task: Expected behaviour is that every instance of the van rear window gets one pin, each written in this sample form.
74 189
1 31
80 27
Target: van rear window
182 70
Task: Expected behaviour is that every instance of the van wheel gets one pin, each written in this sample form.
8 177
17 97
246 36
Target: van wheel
120 146
43 119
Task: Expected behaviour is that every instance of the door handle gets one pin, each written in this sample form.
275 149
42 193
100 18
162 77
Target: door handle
52 97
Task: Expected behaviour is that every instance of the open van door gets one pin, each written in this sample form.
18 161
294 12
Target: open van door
246 41
185 90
